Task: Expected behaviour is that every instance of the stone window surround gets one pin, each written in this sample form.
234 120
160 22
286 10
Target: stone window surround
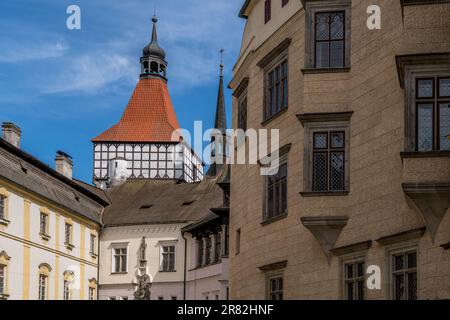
283 159
311 8
413 245
168 243
4 262
271 271
44 235
410 68
123 245
314 122
5 195
69 244
355 257
275 57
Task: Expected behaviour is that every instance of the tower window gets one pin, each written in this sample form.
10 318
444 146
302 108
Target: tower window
145 66
267 11
154 67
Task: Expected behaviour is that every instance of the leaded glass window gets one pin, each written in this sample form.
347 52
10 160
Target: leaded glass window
354 280
277 90
330 40
328 161
433 114
276 193
404 275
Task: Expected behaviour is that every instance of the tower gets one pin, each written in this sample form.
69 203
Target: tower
144 144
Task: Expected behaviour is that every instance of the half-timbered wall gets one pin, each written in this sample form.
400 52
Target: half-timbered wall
149 161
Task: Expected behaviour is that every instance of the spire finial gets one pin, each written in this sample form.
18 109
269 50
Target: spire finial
221 60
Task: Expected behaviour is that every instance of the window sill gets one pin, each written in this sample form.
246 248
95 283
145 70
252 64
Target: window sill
274 219
425 154
119 273
206 266
273 117
93 255
325 70
163 271
4 222
325 194
44 236
69 246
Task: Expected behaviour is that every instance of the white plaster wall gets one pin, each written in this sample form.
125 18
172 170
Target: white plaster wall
12 242
167 283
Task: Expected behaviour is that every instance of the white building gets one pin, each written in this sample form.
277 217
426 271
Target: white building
49 227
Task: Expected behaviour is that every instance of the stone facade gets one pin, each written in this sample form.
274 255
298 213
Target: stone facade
379 214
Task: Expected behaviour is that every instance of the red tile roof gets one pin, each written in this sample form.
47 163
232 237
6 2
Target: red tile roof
149 116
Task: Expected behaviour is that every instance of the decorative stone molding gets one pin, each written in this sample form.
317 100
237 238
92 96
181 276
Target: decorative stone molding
326 230
274 266
324 117
284 150
241 87
275 52
401 237
356 247
431 201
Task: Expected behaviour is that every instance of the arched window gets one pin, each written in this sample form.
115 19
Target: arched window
154 67
44 274
162 69
92 289
68 276
4 263
145 67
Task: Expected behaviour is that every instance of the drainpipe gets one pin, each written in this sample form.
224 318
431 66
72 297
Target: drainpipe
185 269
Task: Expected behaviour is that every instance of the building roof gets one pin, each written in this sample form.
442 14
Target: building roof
148 117
26 171
242 12
161 202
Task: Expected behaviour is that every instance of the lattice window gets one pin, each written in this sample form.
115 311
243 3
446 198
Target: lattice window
354 280
404 275
433 114
328 161
330 39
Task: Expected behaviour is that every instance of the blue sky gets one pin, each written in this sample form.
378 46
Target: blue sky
64 87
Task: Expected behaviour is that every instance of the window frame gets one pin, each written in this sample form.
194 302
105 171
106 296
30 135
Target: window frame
394 251
276 64
4 217
409 75
331 125
163 254
68 238
355 260
4 263
242 122
435 100
272 217
44 274
311 9
119 246
92 245
273 276
45 234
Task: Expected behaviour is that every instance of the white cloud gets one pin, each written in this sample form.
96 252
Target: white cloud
90 73
20 52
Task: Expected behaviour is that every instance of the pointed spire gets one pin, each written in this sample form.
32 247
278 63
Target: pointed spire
153 48
221 117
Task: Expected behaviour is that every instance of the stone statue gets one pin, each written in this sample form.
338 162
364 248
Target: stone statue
143 288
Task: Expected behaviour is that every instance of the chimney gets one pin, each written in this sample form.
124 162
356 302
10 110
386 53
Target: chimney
11 133
64 164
